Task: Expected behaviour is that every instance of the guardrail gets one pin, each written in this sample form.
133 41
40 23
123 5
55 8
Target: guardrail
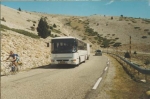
134 66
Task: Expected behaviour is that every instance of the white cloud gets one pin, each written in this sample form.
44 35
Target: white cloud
111 2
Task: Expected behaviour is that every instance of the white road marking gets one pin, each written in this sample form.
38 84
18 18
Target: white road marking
99 80
97 83
106 68
107 63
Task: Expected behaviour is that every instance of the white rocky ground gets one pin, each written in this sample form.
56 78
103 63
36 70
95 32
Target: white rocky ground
32 52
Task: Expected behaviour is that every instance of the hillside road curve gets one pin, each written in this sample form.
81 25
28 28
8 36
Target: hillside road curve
54 82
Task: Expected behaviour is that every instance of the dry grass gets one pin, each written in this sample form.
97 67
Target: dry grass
126 88
138 58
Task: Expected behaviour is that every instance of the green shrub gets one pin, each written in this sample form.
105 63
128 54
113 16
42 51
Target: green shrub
34 21
144 37
68 23
127 55
134 21
91 32
111 18
134 52
54 25
93 42
96 38
112 42
117 44
56 31
136 27
105 43
28 20
51 27
3 19
113 34
84 38
26 33
56 35
32 28
146 20
4 27
147 62
146 29
52 35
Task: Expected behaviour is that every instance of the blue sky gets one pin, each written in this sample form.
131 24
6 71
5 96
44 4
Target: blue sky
130 8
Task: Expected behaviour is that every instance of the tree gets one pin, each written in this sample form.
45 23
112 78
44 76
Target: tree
111 18
121 16
105 43
54 25
43 28
19 9
127 55
134 52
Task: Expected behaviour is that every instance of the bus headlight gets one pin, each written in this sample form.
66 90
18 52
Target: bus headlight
52 60
73 60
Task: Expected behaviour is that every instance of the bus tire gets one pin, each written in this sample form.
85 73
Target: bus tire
78 62
84 59
88 58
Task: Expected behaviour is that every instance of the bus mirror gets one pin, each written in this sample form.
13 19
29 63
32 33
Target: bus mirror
47 44
75 44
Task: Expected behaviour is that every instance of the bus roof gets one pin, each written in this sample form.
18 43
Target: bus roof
64 37
67 37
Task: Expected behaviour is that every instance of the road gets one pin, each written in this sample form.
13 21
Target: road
55 82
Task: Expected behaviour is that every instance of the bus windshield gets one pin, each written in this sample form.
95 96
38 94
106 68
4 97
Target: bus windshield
63 45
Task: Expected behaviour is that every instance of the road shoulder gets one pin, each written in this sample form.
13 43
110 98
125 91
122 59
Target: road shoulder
117 84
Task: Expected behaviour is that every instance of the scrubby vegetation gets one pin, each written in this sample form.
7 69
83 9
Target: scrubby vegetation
90 32
26 33
3 19
117 44
147 62
144 37
146 29
54 26
56 31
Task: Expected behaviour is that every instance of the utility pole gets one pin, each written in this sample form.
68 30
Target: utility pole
130 48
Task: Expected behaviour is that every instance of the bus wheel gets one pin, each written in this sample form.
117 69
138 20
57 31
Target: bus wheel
88 58
78 62
84 59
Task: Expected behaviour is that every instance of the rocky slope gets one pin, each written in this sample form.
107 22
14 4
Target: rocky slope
32 52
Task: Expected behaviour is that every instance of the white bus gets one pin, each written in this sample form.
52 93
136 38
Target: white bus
69 50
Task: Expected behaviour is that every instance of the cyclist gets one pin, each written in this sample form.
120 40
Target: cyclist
15 58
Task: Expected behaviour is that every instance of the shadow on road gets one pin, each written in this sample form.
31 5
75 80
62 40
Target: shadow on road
56 67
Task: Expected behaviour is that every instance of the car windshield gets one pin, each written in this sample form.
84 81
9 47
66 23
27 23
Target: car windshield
63 46
98 50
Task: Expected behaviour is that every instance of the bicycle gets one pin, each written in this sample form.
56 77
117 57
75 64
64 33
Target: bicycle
11 69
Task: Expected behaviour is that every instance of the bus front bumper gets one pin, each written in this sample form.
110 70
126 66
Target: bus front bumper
70 62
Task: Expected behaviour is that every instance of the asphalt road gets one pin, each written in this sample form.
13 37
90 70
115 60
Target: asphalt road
55 82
